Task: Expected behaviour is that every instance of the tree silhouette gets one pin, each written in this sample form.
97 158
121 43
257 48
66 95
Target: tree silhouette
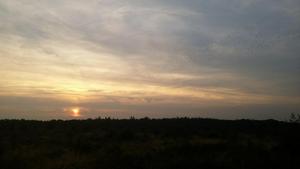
294 118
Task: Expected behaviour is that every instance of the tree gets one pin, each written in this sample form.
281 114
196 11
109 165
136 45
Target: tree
294 118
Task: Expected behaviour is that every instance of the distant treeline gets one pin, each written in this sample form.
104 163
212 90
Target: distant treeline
180 143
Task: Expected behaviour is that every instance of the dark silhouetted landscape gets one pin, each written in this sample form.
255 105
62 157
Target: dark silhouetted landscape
178 143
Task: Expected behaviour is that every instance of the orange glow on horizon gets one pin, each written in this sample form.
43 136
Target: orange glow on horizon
76 112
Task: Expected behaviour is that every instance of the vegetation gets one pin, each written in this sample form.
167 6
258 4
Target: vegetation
149 144
295 118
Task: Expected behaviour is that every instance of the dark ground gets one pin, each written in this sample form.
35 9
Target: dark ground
149 144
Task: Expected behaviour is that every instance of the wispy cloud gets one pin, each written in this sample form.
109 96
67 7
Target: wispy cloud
162 53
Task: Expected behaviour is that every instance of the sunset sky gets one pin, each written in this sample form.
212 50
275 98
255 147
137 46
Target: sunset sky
228 59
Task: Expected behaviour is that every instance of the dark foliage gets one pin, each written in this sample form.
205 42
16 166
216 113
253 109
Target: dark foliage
149 144
294 118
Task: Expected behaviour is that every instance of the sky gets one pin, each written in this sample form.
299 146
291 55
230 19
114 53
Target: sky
227 59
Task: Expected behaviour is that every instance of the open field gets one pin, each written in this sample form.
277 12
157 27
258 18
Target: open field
148 144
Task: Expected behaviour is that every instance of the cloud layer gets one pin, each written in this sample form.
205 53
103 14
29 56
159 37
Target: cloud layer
194 57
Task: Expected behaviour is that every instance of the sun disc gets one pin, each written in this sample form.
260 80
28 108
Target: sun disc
75 112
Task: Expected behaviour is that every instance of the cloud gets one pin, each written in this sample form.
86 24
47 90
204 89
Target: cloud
66 48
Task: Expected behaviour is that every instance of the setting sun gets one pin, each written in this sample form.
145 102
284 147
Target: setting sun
75 112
